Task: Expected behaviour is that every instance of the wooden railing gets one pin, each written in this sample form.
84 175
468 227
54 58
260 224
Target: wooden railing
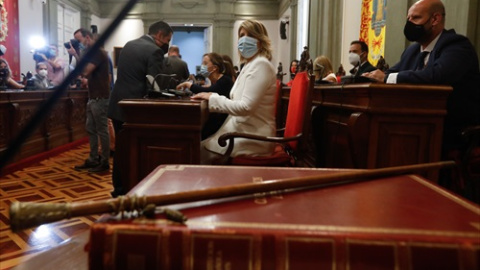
63 125
370 125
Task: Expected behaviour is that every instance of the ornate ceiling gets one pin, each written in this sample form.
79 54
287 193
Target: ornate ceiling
238 8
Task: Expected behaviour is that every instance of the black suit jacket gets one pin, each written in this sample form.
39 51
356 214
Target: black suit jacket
365 67
452 62
138 58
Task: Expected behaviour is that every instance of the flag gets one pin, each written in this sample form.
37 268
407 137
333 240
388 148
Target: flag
372 28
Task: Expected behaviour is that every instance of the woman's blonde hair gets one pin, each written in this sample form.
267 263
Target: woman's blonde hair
257 30
322 61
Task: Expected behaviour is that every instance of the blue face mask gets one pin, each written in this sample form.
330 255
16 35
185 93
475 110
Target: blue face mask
204 71
247 46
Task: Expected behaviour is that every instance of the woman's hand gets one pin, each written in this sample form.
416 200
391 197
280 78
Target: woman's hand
184 85
201 96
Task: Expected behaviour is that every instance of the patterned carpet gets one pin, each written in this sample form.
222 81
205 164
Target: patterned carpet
52 180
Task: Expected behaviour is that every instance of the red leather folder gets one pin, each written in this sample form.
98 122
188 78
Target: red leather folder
402 222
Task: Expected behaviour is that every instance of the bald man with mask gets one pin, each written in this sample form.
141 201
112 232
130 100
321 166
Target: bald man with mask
442 57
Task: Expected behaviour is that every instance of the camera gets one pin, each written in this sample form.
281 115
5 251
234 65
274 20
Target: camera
3 78
75 44
3 73
45 51
76 84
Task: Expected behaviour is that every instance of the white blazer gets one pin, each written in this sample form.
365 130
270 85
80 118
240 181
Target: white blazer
251 109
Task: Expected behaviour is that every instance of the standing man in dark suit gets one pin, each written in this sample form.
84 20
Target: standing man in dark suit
138 58
175 64
439 56
358 57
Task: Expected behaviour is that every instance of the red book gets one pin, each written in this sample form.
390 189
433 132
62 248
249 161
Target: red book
402 222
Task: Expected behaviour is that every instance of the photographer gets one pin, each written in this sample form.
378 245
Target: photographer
6 80
95 76
55 64
75 47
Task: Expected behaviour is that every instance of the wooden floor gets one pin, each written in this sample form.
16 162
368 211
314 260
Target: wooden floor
52 180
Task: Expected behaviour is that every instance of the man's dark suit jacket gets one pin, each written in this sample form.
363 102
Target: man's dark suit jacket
365 67
452 62
175 65
138 58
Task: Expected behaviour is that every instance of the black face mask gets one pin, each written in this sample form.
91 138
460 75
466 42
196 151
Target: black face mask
414 32
164 48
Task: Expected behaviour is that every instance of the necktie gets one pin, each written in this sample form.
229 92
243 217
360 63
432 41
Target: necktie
421 60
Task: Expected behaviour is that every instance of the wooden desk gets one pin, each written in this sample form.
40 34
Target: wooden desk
377 125
408 230
64 124
159 131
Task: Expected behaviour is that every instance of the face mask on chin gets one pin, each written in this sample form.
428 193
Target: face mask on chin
158 40
414 32
164 47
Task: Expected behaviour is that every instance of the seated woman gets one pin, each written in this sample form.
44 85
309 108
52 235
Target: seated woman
212 67
251 107
293 71
40 80
6 80
323 70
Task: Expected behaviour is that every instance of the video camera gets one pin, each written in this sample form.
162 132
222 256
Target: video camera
45 51
3 73
3 78
75 44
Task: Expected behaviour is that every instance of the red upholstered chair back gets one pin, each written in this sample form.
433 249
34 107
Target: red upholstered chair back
278 96
296 107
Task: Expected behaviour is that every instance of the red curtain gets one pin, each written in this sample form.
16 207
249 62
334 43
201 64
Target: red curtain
9 36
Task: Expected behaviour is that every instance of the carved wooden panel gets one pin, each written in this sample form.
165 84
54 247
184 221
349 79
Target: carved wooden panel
158 132
377 125
63 124
410 142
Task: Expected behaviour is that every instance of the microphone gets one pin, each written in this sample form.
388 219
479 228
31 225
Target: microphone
320 69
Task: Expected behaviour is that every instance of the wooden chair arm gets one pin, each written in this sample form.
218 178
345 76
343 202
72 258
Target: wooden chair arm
471 132
222 140
280 131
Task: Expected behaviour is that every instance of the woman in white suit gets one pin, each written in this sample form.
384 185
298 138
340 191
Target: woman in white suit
251 106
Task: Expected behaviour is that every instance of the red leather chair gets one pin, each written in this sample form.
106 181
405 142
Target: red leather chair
470 163
465 179
278 107
298 114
